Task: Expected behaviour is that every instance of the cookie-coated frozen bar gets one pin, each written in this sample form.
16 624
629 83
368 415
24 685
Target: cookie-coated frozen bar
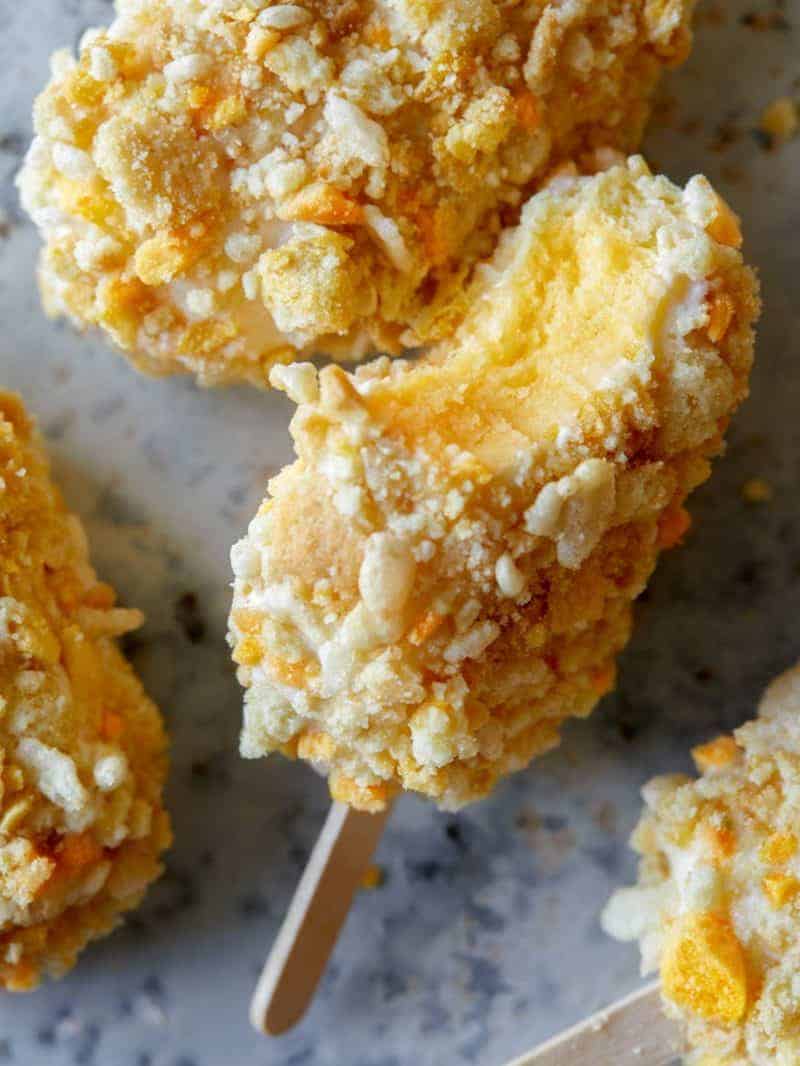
222 184
717 906
446 572
82 748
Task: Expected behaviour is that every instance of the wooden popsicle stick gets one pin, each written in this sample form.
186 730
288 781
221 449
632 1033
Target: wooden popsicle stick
315 917
631 1032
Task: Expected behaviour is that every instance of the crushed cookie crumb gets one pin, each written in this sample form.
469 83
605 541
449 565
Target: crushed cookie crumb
374 877
779 121
757 490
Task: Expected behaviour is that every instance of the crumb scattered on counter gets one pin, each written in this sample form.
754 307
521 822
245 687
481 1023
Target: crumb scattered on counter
757 490
374 877
779 121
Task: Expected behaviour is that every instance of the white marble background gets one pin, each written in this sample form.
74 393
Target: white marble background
484 938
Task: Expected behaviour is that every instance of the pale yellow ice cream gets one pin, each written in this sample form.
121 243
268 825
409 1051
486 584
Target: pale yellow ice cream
222 184
446 572
82 748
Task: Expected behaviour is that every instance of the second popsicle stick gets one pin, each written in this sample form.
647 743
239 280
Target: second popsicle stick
631 1032
315 917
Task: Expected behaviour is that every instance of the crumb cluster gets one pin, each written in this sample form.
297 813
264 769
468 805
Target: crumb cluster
82 748
446 572
717 905
222 184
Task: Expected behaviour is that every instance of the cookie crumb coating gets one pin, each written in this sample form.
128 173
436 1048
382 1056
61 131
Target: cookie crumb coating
82 748
446 572
717 904
222 184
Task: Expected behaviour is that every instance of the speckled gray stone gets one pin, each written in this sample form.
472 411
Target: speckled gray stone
484 938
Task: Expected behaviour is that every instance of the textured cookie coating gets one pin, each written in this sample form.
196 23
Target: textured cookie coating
222 184
717 905
82 748
446 572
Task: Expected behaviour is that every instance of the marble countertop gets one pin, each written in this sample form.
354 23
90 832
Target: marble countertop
484 937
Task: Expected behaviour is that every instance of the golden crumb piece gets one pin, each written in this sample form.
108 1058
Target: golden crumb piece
285 672
82 748
780 889
247 652
324 204
779 120
369 798
411 131
249 622
721 309
290 277
726 227
374 877
454 555
160 259
206 338
230 111
757 490
604 678
673 527
316 747
778 848
703 967
716 754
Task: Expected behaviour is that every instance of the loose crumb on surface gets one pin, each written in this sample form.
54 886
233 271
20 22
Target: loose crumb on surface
374 877
780 121
757 490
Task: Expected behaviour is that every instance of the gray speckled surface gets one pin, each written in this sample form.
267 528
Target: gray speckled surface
484 938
